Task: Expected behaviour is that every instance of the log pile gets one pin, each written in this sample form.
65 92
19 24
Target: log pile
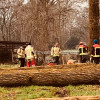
61 75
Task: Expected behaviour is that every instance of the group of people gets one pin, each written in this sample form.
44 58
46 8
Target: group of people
93 56
27 54
94 53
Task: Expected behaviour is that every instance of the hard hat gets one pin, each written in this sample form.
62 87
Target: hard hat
29 43
95 41
81 43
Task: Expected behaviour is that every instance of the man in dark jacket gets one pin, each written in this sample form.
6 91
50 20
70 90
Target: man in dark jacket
82 52
95 52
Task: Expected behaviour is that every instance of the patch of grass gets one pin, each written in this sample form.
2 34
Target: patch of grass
29 92
9 65
32 92
83 90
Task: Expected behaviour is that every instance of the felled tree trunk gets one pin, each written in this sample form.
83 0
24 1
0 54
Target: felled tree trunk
52 76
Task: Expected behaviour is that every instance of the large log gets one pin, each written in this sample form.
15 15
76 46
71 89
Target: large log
51 75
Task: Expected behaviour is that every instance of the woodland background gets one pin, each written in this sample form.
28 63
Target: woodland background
44 22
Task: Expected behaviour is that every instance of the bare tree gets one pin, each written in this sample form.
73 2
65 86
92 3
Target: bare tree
44 22
93 21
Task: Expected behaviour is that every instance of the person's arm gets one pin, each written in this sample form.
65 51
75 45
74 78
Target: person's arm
32 50
59 51
34 53
80 51
92 50
18 51
52 51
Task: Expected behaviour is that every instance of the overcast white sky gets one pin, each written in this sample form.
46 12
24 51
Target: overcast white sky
25 1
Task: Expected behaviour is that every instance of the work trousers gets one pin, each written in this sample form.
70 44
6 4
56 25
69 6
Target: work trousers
30 62
56 60
22 62
83 58
96 60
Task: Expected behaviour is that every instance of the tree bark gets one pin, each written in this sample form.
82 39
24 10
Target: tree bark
93 21
51 76
72 98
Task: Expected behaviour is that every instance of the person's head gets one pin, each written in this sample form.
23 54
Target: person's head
21 47
29 43
81 43
95 41
56 44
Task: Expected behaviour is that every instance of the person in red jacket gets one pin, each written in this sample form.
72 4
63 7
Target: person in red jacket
83 49
95 52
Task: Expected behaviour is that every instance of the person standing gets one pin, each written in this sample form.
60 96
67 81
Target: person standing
55 52
95 52
30 55
21 56
83 52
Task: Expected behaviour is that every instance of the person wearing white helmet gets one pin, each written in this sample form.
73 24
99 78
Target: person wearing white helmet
30 55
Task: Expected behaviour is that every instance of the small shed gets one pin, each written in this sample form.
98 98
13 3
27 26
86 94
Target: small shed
8 50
